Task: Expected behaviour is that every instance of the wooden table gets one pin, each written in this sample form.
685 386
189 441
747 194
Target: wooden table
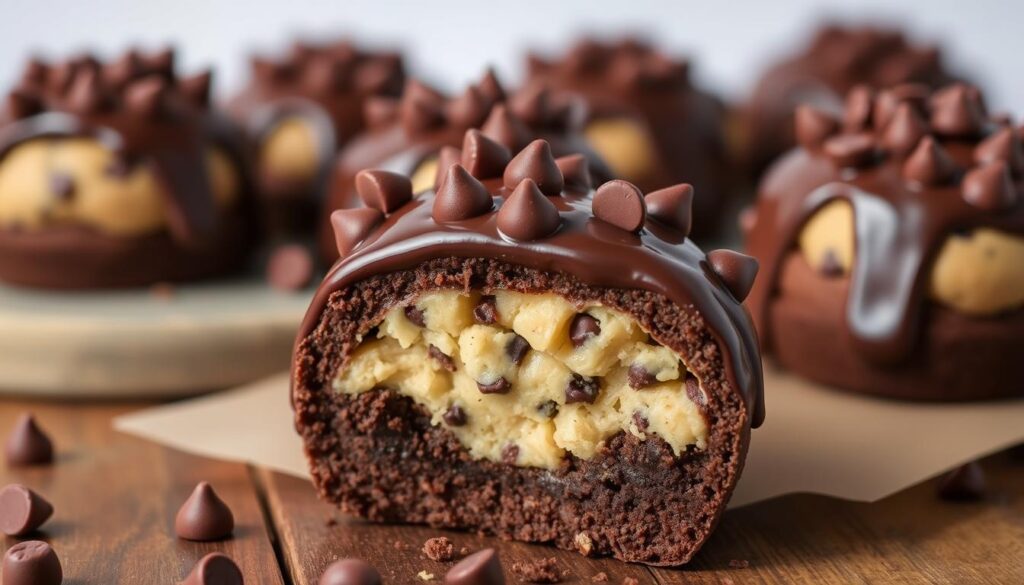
116 497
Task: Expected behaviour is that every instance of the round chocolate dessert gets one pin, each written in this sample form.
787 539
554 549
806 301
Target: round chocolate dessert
835 60
118 174
893 248
517 354
646 119
416 134
301 109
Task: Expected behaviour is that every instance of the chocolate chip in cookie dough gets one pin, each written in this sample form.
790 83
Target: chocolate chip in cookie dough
415 315
499 386
548 408
581 389
694 392
638 377
442 358
517 348
582 328
486 311
455 416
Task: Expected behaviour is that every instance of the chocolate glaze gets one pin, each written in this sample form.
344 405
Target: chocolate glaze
900 225
658 259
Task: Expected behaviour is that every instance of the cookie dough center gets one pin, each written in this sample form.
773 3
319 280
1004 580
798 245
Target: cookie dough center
624 144
289 153
528 378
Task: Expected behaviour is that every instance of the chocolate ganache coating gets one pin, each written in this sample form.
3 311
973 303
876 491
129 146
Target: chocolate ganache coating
424 128
918 169
148 117
326 87
632 84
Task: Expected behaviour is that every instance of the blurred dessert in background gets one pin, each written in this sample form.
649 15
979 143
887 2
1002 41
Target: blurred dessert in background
836 59
892 247
118 174
646 119
423 132
299 110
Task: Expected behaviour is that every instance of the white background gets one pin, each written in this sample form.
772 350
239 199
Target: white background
449 42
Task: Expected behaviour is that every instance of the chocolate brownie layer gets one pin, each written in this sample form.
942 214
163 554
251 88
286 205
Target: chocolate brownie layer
377 455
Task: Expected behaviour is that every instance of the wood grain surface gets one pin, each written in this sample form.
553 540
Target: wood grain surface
116 496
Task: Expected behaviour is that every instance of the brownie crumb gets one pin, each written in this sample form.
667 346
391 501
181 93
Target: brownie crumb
630 581
439 549
601 577
398 544
583 543
539 571
739 564
425 576
464 551
331 521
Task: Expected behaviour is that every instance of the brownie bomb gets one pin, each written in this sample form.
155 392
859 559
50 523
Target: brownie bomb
892 246
646 119
118 174
518 354
417 134
299 110
835 60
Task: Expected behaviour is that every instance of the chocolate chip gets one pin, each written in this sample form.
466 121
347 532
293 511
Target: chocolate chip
582 328
1002 145
460 197
480 568
467 110
499 386
505 128
929 164
850 150
290 267
455 416
693 391
486 311
510 454
415 315
964 484
621 204
484 158
215 569
204 516
575 172
448 156
672 206
956 111
383 190
62 185
352 226
441 358
28 444
535 162
22 510
813 126
857 112
548 408
638 377
349 572
527 214
736 270
32 563
517 348
905 129
830 266
581 389
990 187
439 549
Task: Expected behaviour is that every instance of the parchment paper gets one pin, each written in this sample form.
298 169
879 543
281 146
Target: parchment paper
815 440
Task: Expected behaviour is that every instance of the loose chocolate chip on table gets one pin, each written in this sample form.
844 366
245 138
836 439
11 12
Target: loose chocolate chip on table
22 510
215 569
486 311
582 328
581 389
32 562
28 444
414 314
349 572
290 267
517 348
548 408
442 358
455 416
964 484
204 516
638 377
480 568
439 549
499 386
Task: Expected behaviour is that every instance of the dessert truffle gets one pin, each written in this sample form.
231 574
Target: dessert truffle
299 110
892 246
520 355
647 119
416 134
118 174
836 60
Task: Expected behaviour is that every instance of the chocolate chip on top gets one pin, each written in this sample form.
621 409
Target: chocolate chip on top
527 214
383 190
535 162
460 196
621 204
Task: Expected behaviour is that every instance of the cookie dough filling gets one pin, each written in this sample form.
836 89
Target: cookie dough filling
290 152
528 379
624 144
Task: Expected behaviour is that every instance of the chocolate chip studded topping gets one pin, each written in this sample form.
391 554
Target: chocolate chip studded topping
352 226
964 484
672 206
469 109
32 563
383 190
575 172
441 358
499 386
486 311
505 128
535 162
813 126
517 348
349 572
448 156
527 214
455 416
204 516
380 111
905 130
582 389
929 164
28 444
582 328
415 315
460 196
850 150
638 377
990 187
483 157
22 510
957 111
857 113
1004 145
736 270
215 569
621 204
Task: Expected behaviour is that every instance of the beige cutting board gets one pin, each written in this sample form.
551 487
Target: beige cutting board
138 343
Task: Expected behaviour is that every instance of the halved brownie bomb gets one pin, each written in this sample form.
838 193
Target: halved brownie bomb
893 247
517 354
